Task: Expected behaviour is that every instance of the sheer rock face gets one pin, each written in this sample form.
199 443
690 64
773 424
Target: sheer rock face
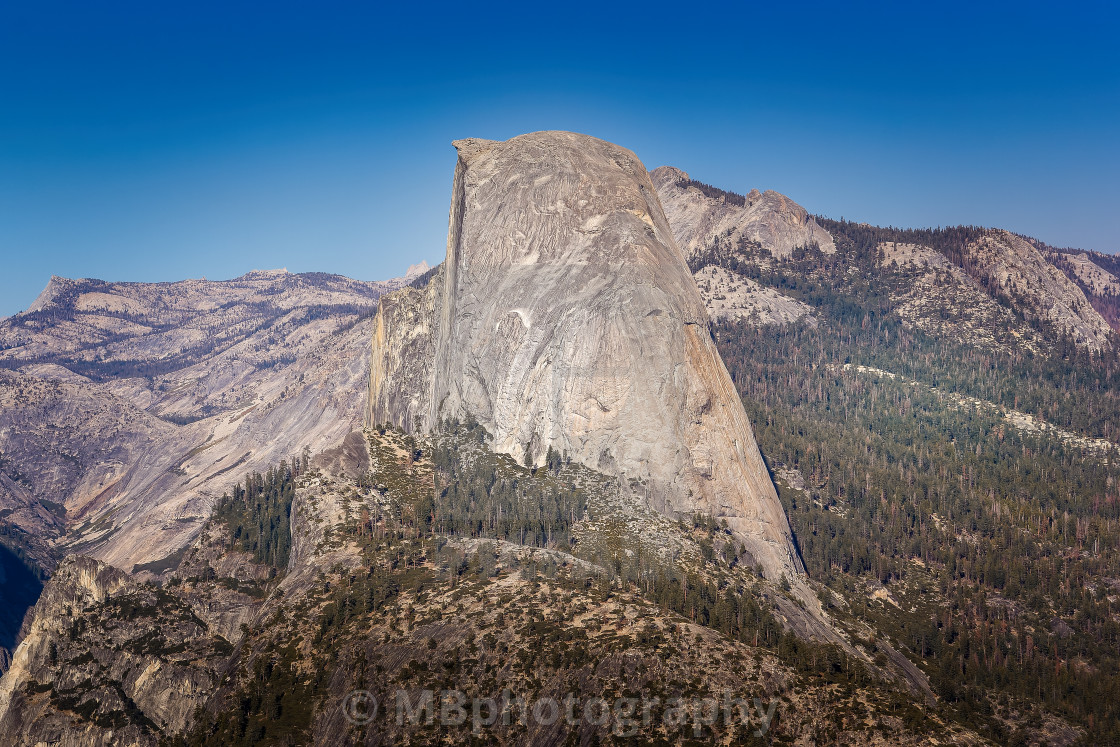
403 348
701 222
566 318
81 648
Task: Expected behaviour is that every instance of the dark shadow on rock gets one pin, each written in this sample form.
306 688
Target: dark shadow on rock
20 587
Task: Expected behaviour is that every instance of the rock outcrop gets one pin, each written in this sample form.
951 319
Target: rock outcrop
1098 276
707 218
403 345
938 297
566 319
1097 279
729 296
1021 272
995 289
106 661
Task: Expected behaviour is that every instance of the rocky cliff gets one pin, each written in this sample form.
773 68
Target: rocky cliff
566 319
106 661
403 349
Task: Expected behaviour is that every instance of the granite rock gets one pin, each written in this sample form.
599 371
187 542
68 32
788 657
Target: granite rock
565 317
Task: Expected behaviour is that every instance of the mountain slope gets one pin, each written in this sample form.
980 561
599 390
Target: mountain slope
1097 274
382 599
145 400
945 441
989 286
1017 269
129 408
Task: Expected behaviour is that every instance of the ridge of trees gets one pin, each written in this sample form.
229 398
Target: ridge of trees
258 512
714 193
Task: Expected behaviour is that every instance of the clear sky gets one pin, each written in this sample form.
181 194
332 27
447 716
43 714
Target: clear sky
159 141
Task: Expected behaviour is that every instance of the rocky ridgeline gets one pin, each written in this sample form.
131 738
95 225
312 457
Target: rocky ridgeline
938 297
997 289
1022 273
703 217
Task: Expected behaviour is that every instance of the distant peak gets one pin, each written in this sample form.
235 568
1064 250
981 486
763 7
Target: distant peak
263 274
54 286
663 174
417 270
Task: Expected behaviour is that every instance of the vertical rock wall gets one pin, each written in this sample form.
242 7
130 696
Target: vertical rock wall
566 317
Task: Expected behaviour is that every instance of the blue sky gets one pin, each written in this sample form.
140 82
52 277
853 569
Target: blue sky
159 141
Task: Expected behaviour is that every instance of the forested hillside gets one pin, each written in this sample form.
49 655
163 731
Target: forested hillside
963 500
